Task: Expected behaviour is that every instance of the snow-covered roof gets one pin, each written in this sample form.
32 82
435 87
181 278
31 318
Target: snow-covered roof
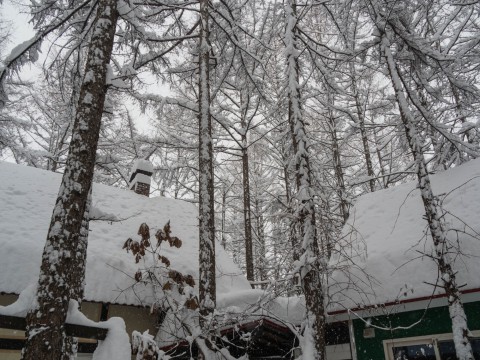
142 171
385 238
144 165
27 196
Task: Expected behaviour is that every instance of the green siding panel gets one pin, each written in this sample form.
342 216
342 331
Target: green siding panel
435 321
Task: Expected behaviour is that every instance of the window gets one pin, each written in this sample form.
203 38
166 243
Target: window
337 333
420 351
447 349
431 347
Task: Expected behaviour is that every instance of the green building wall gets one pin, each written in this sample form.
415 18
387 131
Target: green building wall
435 321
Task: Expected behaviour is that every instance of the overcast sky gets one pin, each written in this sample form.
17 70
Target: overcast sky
13 13
20 29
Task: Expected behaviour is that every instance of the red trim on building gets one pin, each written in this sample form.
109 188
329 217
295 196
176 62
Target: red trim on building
399 302
180 344
284 329
252 324
245 326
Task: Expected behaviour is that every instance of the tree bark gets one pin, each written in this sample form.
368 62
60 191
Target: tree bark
434 215
288 198
207 287
385 178
45 324
77 277
337 165
223 241
247 209
310 264
363 132
260 246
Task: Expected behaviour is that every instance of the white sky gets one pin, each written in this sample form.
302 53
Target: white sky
20 29
12 12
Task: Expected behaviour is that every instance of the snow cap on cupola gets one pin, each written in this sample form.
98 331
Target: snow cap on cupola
141 177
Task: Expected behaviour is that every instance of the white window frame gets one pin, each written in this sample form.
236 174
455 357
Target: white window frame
389 344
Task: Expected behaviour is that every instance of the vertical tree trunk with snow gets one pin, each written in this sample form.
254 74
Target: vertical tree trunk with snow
45 324
381 166
337 163
79 258
223 241
260 253
363 131
434 215
463 119
288 200
247 211
310 263
337 166
77 277
207 288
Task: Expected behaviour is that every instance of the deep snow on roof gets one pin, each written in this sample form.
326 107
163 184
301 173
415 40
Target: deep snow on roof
27 197
385 238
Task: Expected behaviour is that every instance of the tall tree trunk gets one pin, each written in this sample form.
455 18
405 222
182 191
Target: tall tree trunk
260 245
434 215
288 197
310 264
207 288
290 225
247 212
385 178
78 282
45 324
460 112
337 166
350 42
223 241
363 131
468 130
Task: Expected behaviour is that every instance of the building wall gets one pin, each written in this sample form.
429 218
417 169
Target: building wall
338 352
7 299
136 318
435 321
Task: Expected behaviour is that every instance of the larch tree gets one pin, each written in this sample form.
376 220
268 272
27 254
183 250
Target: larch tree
240 104
390 25
434 216
310 260
206 205
66 245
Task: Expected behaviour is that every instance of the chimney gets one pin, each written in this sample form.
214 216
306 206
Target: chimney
141 176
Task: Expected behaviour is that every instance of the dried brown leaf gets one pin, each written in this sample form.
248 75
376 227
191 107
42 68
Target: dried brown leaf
127 244
175 276
191 304
164 260
167 286
189 280
144 231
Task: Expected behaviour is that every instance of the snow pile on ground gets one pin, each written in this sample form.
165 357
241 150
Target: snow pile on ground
384 253
27 196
